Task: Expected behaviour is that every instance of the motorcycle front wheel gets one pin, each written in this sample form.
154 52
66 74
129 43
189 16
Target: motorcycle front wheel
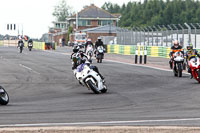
180 70
93 87
4 98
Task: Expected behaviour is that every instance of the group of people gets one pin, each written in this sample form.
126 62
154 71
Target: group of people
84 57
97 43
190 53
21 42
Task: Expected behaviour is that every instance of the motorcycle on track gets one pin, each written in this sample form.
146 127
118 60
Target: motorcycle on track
87 76
99 54
178 64
30 46
89 51
4 98
21 46
194 64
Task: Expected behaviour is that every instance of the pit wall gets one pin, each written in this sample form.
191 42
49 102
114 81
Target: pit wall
153 51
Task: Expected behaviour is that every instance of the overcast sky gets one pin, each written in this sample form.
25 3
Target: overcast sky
36 15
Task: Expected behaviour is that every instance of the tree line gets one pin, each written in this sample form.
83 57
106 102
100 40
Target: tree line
156 12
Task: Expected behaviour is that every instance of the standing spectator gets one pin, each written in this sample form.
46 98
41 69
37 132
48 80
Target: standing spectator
63 42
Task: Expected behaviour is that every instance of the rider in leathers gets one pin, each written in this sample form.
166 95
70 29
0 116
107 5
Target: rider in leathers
97 44
89 42
175 48
191 53
82 60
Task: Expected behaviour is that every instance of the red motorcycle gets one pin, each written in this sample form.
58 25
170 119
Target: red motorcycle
194 64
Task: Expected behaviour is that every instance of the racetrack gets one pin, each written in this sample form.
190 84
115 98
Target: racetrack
44 92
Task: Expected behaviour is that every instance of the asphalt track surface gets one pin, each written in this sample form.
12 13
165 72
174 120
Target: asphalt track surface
44 92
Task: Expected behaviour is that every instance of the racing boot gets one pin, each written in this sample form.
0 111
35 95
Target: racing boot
191 76
189 71
170 64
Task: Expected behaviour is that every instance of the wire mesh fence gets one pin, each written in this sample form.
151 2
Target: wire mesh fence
160 35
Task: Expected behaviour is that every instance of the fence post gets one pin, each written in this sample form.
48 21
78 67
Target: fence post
136 54
189 31
145 55
141 53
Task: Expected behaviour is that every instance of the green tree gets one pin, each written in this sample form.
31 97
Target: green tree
154 12
61 11
70 29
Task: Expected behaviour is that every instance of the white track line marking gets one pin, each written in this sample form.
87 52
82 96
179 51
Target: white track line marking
100 123
28 68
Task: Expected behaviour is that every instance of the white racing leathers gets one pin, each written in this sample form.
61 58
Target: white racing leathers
89 51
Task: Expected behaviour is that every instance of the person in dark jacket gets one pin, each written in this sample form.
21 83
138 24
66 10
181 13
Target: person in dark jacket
97 44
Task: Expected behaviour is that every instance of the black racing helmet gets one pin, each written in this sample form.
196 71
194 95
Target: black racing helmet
76 49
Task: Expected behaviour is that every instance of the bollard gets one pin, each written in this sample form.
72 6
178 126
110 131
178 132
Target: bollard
141 53
136 54
145 55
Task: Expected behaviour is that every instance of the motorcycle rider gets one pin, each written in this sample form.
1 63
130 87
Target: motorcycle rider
20 42
30 41
97 44
89 42
175 48
191 53
82 60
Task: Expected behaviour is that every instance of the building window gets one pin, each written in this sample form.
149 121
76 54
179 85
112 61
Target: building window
99 22
105 22
57 25
84 22
88 22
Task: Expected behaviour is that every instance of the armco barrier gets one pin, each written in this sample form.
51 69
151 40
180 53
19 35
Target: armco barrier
153 51
1 43
37 45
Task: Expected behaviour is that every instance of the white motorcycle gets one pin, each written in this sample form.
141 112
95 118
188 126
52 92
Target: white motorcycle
89 51
179 64
99 54
4 98
90 78
30 46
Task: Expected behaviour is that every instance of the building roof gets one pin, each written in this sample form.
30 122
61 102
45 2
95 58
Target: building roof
102 29
93 11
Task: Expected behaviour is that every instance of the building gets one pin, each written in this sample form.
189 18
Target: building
90 17
106 32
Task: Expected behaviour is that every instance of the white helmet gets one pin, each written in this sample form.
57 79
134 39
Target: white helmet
89 40
176 43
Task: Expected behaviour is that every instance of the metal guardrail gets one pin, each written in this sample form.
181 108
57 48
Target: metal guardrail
160 35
